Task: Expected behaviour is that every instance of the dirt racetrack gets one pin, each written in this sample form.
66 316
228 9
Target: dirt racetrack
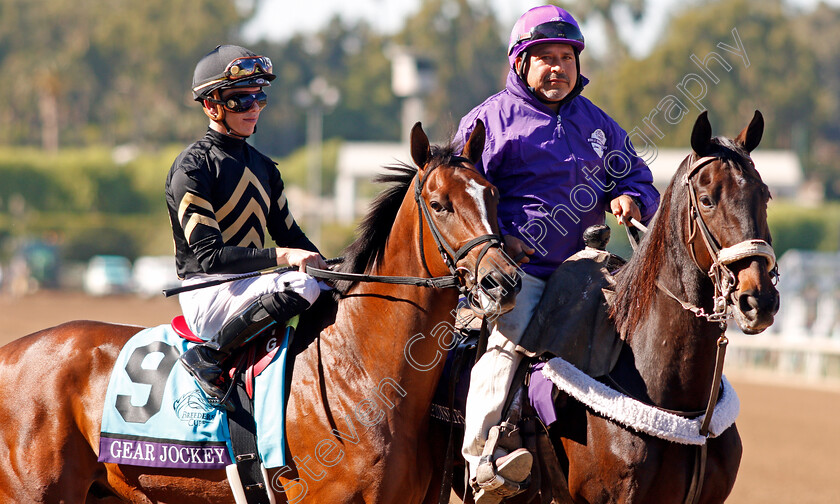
791 435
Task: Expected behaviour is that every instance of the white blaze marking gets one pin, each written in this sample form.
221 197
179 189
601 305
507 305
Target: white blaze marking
477 192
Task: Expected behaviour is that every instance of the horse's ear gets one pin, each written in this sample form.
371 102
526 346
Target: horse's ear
475 144
701 135
420 151
750 137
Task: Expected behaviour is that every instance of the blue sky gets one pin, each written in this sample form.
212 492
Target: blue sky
279 19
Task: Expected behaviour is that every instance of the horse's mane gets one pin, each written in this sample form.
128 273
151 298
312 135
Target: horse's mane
636 282
374 229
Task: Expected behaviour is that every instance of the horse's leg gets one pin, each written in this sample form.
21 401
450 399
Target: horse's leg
438 438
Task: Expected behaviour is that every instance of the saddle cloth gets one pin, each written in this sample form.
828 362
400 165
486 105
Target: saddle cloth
541 391
156 416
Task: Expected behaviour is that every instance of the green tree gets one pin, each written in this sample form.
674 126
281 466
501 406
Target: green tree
608 11
818 142
350 57
114 70
778 79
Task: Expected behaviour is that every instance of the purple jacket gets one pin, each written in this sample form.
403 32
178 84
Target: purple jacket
550 170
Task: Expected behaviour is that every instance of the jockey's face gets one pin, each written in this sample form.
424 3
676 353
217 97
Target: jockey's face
552 71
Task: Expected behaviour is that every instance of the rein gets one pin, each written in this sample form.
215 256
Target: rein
450 256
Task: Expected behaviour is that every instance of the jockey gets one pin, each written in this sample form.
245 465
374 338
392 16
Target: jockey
222 196
559 163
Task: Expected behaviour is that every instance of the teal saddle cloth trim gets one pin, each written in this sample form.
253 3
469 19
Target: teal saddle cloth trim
156 416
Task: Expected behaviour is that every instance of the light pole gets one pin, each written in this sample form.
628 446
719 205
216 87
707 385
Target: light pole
413 77
318 98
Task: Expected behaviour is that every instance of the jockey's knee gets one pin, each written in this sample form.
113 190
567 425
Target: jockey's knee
301 284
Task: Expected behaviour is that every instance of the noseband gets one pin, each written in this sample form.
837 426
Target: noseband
449 255
722 277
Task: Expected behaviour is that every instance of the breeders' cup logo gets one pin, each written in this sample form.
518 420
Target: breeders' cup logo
193 409
598 141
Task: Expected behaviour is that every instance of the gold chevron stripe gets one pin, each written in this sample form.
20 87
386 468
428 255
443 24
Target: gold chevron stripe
248 177
289 220
252 238
195 220
192 199
253 208
281 201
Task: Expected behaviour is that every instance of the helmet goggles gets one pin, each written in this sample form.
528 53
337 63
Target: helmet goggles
246 67
241 72
242 102
552 31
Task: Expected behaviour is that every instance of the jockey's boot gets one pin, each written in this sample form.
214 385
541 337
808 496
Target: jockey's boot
503 470
204 361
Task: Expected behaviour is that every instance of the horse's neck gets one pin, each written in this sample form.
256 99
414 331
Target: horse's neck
395 332
674 350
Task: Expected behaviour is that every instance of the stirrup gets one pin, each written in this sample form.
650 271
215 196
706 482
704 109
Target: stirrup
214 394
503 476
495 487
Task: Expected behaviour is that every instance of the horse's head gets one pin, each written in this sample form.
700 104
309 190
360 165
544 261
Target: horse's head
727 232
459 231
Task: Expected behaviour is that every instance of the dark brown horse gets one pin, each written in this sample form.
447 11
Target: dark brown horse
357 417
713 218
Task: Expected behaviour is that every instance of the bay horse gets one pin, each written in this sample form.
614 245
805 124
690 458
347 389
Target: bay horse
358 411
707 254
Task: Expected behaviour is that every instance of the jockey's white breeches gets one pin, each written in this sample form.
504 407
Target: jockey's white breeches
206 310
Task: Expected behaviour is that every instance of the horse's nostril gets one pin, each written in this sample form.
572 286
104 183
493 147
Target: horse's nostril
747 303
491 281
495 281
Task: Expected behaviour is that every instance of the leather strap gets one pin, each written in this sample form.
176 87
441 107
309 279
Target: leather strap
698 475
243 438
443 282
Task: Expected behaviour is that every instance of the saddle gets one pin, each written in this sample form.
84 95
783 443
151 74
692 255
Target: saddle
572 320
248 477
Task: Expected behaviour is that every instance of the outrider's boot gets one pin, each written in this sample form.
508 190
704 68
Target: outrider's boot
204 361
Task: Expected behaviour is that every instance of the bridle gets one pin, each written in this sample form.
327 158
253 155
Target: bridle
724 282
449 255
458 277
722 277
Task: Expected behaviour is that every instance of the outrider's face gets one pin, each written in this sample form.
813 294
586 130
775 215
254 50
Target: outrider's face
552 70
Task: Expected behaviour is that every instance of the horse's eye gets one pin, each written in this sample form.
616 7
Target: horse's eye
436 206
706 201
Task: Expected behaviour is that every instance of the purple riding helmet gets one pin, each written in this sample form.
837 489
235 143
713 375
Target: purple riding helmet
546 23
541 25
